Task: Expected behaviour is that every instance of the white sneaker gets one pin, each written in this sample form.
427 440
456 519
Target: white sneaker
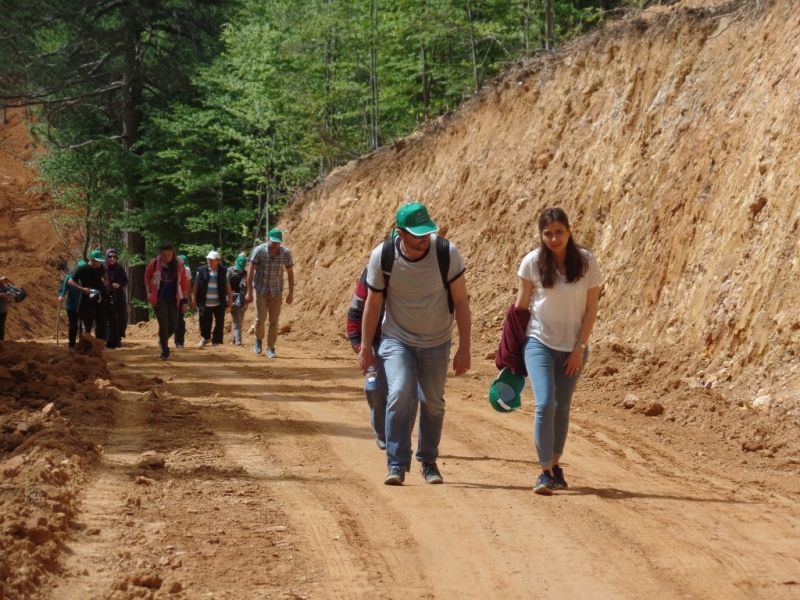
202 342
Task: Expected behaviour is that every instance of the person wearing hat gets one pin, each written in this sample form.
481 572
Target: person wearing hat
168 292
559 283
211 295
417 335
180 330
117 305
91 280
73 301
265 280
237 278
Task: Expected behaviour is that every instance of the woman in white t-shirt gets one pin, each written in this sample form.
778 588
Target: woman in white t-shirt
560 283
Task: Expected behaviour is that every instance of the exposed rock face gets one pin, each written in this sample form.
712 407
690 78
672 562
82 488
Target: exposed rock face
671 142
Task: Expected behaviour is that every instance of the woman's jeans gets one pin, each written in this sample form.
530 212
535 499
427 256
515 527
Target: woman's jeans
167 314
414 376
552 391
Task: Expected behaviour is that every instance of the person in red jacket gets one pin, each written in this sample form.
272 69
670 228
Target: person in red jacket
168 292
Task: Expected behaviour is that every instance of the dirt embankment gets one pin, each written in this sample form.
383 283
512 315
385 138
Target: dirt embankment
671 142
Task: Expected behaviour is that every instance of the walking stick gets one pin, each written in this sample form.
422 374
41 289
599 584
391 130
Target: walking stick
58 317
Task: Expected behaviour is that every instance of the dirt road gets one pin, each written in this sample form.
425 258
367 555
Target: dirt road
237 476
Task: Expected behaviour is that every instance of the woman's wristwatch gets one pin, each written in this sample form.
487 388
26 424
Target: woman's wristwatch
582 346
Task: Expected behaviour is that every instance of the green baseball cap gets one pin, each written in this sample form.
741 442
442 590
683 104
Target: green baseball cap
241 262
414 218
275 235
504 393
97 255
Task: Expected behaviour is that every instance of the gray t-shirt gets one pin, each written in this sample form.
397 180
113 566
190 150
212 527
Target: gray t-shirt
417 312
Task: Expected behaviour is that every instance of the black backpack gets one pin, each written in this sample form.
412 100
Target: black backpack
442 255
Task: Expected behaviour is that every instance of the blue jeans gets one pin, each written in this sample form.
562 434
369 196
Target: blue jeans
376 398
415 376
552 391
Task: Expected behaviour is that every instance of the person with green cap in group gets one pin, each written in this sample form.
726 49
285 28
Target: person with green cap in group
237 279
265 279
421 277
180 331
91 280
73 301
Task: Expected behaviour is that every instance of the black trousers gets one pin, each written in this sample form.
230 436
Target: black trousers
167 314
72 315
180 330
217 314
93 317
3 325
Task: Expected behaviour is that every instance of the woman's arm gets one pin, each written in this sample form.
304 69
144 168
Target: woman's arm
524 293
574 362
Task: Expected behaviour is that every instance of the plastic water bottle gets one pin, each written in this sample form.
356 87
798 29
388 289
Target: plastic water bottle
371 381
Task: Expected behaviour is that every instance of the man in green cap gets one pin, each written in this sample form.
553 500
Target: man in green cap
421 277
265 278
91 280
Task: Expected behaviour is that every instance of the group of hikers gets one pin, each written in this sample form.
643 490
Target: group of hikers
400 324
96 299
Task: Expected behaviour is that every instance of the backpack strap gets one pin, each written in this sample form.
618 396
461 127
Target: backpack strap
387 262
443 256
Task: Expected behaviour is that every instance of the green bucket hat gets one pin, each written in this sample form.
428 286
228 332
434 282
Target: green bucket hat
97 255
504 393
415 219
275 235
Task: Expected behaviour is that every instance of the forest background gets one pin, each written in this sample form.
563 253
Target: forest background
195 120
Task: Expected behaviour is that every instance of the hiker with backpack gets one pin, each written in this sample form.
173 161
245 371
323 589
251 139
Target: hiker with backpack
421 277
559 283
73 301
4 298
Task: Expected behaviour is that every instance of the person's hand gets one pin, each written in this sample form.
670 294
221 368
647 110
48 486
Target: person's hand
114 286
290 298
366 358
357 348
248 297
461 361
185 307
574 363
194 305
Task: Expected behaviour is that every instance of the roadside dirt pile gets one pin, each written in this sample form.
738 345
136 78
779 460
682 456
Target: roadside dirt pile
669 139
51 421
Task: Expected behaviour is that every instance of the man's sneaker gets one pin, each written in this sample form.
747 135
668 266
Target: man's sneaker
163 356
381 443
179 345
257 346
558 477
544 485
215 344
396 476
271 353
430 472
202 342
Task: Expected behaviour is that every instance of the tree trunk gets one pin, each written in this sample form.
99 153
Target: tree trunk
548 25
131 120
373 67
426 86
473 50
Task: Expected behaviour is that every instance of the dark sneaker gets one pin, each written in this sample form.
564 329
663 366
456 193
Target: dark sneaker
179 345
544 485
257 346
558 476
381 443
163 356
430 472
396 476
271 353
